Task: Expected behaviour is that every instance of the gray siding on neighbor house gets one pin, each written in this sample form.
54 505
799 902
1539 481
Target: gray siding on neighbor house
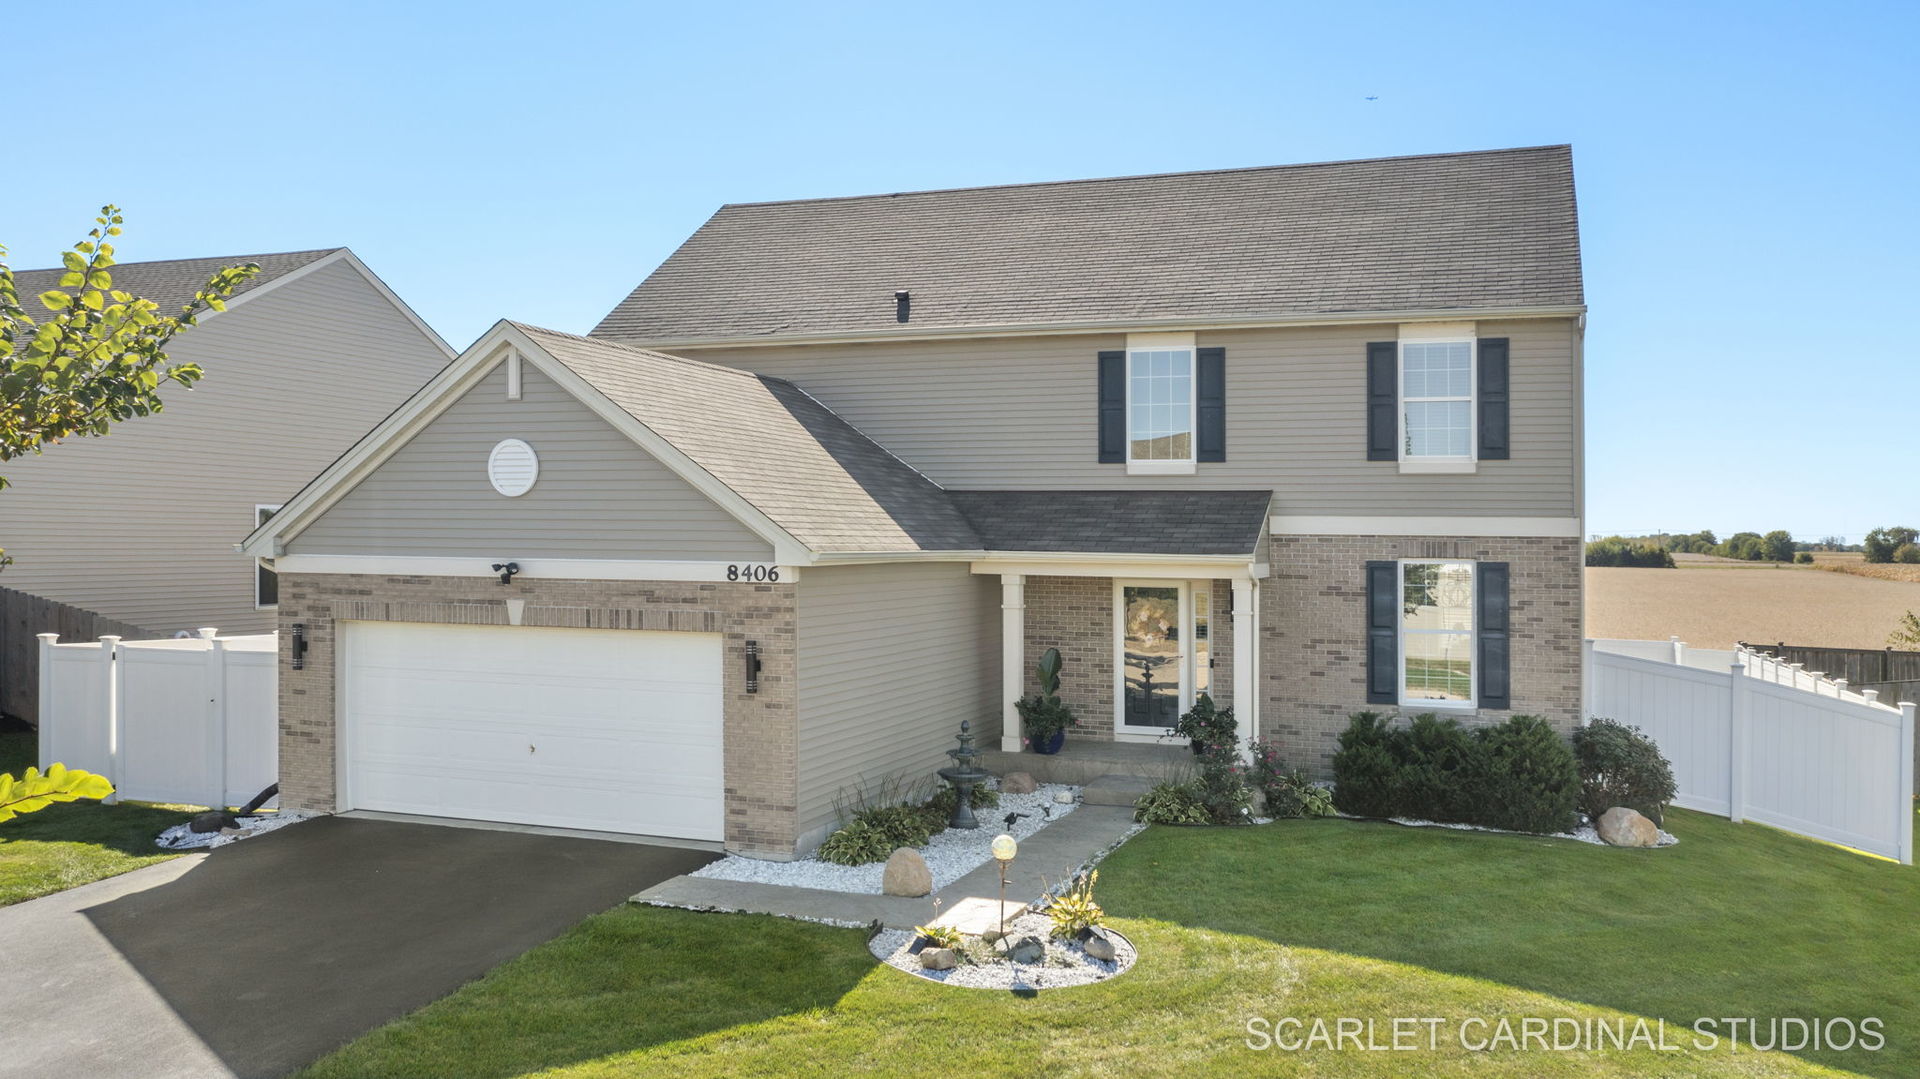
140 526
890 659
597 496
1021 413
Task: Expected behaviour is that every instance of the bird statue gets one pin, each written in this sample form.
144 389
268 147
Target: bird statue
1011 817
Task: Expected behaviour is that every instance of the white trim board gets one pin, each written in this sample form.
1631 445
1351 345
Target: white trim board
580 569
1154 567
347 256
1538 527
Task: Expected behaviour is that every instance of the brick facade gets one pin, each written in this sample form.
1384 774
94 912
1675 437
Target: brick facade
1075 615
760 729
1313 633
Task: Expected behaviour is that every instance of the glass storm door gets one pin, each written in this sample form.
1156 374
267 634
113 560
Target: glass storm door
1155 632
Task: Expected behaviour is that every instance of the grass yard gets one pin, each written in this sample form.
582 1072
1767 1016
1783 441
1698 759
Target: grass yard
63 846
1310 919
1719 604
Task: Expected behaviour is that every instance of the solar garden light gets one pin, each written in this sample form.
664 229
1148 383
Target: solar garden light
1004 848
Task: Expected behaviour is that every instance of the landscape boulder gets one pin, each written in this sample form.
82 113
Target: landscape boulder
1017 783
906 874
1027 950
1099 947
1622 827
939 959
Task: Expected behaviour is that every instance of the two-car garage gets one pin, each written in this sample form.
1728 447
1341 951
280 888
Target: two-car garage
603 730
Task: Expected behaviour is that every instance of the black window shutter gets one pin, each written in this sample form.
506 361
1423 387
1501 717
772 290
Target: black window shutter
1383 400
1495 658
1210 404
1113 407
1493 399
1383 632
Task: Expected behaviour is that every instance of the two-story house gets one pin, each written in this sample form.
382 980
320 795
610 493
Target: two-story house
1305 438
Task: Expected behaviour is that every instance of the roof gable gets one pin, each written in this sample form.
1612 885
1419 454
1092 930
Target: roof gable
171 283
1489 230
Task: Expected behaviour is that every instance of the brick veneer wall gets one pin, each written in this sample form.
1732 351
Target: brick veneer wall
759 750
1313 633
1075 615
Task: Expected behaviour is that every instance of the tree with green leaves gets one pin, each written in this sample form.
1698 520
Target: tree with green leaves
97 356
1883 542
34 790
1780 545
1907 634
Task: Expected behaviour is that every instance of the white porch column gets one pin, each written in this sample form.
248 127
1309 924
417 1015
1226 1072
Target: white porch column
1013 656
1246 699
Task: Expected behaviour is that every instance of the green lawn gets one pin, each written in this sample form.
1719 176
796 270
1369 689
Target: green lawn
1319 919
62 846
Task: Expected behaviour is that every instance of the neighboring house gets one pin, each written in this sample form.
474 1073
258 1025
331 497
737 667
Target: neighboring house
138 527
1306 438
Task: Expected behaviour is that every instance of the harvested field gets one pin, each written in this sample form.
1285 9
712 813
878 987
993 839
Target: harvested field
1716 605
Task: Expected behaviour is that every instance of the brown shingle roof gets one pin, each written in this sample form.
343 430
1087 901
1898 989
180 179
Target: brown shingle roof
1492 229
1118 522
171 282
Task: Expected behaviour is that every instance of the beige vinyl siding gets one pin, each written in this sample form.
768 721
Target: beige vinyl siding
140 525
597 496
890 659
1021 413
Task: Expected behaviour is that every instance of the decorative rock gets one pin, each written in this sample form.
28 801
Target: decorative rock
906 874
1017 783
1099 947
1027 950
1622 827
939 959
991 936
1065 798
213 821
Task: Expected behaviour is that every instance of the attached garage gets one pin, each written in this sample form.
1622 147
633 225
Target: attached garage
608 730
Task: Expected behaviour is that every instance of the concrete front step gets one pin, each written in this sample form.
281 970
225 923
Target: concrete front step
1084 760
1116 790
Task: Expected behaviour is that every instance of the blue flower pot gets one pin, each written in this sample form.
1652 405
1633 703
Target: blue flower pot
1050 745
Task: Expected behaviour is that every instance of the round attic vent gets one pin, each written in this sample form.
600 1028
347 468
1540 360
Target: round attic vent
512 467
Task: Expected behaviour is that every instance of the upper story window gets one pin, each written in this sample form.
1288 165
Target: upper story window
1437 400
1160 403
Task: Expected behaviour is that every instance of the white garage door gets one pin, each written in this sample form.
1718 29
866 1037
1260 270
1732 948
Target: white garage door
610 730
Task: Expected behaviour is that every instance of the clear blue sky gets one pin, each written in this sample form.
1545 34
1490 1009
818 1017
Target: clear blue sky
1747 171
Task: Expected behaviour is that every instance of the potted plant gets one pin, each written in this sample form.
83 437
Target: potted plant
1206 726
1043 716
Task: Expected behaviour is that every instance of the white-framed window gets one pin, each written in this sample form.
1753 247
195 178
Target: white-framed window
266 581
1160 409
1438 410
1437 669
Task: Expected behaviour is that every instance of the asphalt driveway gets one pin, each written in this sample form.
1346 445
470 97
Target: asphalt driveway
257 958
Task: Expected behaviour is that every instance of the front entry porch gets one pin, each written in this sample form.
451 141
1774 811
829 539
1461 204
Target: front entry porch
1083 760
1140 640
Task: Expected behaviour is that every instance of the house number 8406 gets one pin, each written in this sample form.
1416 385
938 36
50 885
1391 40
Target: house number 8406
753 573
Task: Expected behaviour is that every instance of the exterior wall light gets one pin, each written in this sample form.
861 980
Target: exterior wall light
298 647
506 570
753 666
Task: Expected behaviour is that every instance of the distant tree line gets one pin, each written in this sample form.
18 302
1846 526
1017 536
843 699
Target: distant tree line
1658 550
1892 544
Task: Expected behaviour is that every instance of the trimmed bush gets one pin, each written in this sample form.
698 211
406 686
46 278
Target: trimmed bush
1519 776
1366 771
1287 792
1525 780
1619 766
1222 787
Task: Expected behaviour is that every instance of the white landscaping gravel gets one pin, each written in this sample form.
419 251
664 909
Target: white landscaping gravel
1586 833
951 855
1066 963
181 837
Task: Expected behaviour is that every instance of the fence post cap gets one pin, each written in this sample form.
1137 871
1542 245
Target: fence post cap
48 636
207 633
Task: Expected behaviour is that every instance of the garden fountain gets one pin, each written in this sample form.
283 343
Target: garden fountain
964 775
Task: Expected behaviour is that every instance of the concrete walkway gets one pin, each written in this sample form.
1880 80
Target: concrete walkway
1046 858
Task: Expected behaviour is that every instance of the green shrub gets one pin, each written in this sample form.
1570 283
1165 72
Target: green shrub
938 810
1043 714
1435 757
1287 793
1804 558
1365 770
1171 803
1619 766
1221 785
1207 725
1524 779
906 826
858 843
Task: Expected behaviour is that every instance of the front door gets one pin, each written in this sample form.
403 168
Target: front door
1155 655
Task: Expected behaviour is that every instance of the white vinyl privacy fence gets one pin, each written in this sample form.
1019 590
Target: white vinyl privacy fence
1751 738
188 720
